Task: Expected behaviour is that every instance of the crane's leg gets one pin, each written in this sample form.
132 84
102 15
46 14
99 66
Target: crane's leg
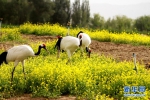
12 74
69 56
23 69
81 51
58 54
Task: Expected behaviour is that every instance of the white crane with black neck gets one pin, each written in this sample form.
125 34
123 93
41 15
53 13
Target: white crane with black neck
18 54
85 42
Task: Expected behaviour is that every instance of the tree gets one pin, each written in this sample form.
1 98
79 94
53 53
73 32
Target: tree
62 12
97 22
76 14
14 11
42 10
85 13
119 24
2 8
80 13
142 23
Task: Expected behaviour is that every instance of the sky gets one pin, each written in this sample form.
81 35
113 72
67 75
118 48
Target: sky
111 8
119 2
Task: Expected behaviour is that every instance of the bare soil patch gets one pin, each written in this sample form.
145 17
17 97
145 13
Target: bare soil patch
122 52
29 97
34 38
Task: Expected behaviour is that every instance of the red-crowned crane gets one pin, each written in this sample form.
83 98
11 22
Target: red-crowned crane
18 54
68 44
85 42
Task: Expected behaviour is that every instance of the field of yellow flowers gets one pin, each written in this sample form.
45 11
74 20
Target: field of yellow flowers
104 35
55 29
95 78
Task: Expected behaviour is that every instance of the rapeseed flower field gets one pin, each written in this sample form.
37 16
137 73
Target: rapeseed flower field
103 35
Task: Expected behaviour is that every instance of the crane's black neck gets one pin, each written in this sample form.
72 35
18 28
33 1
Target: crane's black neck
3 57
80 43
39 51
58 43
79 33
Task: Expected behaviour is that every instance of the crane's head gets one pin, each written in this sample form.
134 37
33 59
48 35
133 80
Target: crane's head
59 37
88 50
43 46
40 47
79 34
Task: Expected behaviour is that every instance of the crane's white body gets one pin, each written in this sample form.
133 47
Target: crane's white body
69 44
19 53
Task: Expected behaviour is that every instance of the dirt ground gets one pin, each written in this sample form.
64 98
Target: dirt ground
120 52
29 97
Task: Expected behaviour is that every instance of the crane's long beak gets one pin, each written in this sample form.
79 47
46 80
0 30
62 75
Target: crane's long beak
89 53
88 50
47 51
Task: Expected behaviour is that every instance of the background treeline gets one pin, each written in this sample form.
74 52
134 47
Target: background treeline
122 23
41 11
17 12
